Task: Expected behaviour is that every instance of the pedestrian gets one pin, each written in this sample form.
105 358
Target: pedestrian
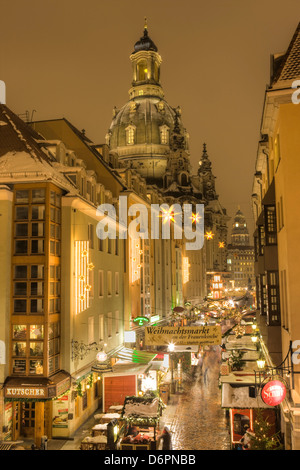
166 438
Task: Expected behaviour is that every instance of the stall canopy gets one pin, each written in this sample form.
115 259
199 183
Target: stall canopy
142 410
133 355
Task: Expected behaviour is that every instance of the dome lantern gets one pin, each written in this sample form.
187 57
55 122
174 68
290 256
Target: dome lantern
146 67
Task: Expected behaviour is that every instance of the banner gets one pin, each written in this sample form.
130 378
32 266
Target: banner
183 335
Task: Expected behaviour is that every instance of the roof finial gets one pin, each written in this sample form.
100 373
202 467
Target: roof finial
204 149
146 23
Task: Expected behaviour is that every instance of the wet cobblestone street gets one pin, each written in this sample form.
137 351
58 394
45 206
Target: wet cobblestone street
200 423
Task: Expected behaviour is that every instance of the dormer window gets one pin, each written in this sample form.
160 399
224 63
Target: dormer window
164 135
130 135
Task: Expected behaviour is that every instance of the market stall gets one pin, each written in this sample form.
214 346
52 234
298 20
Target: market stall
141 416
105 434
240 394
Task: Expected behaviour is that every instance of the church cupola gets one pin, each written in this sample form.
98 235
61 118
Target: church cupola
146 68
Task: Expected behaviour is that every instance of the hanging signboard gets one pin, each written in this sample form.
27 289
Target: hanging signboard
273 393
184 335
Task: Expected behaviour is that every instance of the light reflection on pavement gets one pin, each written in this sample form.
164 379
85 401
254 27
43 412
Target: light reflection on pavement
200 423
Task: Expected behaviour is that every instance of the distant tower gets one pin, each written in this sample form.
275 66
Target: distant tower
239 233
240 254
206 176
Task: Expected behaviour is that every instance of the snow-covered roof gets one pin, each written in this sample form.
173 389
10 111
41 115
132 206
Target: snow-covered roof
238 397
141 408
22 156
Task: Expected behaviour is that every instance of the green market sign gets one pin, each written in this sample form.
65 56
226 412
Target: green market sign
141 320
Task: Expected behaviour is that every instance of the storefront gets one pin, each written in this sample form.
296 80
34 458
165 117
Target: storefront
30 405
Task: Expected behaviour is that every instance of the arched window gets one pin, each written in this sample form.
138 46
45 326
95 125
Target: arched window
164 135
183 179
130 135
142 70
156 72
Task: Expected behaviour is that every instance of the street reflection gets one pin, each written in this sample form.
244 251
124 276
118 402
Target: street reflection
200 422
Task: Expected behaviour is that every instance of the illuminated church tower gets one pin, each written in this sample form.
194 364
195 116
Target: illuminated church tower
146 130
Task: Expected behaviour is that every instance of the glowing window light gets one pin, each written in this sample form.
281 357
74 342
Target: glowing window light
82 276
186 269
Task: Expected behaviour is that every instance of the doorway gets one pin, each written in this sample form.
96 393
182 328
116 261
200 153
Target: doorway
27 419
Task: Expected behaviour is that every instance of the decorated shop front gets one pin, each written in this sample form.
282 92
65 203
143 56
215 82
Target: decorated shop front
30 405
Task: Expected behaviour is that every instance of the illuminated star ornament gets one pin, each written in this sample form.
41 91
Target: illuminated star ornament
168 215
209 235
221 244
195 218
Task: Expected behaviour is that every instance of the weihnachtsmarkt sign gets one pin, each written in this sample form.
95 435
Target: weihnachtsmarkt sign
183 335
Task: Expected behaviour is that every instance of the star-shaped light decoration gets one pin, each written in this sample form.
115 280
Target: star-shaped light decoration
209 235
221 244
195 218
168 215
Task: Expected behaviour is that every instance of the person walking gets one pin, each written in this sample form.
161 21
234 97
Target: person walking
166 439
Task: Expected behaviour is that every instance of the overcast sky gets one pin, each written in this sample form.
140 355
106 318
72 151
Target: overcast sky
70 58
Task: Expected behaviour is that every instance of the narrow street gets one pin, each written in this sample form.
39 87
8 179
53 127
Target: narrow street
199 422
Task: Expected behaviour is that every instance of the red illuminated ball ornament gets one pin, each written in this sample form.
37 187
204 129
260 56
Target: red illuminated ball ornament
273 393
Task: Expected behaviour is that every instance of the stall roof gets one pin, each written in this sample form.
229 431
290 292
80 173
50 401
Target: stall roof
238 378
238 397
134 355
143 409
126 368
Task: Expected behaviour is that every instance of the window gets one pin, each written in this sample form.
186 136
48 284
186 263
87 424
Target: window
91 330
117 320
101 284
117 284
273 311
27 344
109 325
101 327
109 283
91 235
142 71
261 239
164 135
270 225
130 135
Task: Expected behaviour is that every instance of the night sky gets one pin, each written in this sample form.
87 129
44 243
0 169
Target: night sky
70 58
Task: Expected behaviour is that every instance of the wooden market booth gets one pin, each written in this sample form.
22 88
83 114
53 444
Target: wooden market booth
239 389
143 414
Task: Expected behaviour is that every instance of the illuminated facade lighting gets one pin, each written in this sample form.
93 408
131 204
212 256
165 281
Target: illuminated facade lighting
186 269
83 266
135 257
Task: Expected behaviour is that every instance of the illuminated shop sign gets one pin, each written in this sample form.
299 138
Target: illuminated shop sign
273 393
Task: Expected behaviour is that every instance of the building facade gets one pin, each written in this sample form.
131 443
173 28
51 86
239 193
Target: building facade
240 255
275 196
